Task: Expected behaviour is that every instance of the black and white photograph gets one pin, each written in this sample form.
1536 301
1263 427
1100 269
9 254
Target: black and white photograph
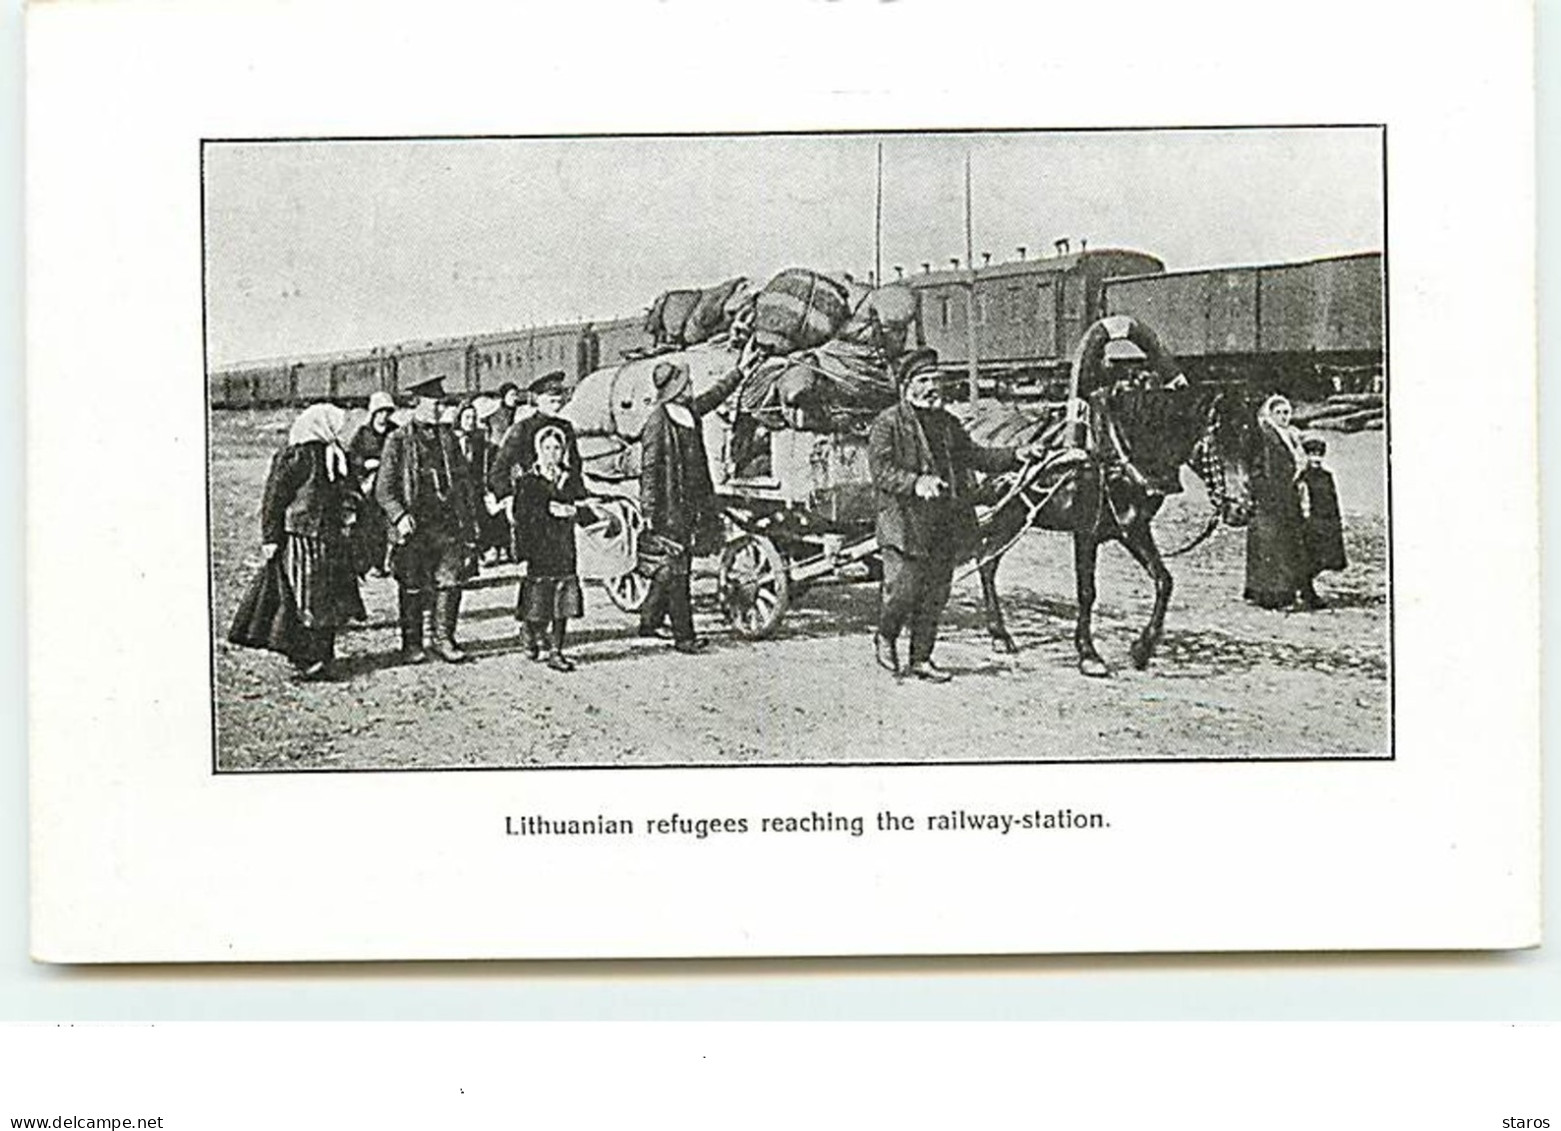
1061 445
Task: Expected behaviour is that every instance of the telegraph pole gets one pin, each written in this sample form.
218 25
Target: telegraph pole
970 295
878 224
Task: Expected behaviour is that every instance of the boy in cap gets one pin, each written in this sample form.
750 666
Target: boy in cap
921 459
1322 531
423 488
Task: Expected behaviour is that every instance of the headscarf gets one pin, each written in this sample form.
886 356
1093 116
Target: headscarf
557 477
322 423
1290 434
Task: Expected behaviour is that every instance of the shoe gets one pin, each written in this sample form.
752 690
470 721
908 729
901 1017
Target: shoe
887 652
317 672
560 662
653 633
928 671
690 647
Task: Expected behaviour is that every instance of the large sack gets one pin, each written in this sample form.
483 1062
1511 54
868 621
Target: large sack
714 311
828 389
669 314
799 309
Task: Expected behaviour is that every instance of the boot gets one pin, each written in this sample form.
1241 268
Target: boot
447 610
534 640
555 651
410 603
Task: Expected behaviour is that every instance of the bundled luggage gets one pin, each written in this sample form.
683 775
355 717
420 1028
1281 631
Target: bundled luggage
799 309
681 318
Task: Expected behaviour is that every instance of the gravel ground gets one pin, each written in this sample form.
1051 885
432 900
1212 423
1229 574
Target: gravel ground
1229 681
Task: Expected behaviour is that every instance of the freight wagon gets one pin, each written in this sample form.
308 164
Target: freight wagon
1309 329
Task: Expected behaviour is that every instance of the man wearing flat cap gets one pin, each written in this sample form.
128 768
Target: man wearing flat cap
921 460
677 497
423 489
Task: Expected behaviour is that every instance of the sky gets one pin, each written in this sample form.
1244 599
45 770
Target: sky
321 246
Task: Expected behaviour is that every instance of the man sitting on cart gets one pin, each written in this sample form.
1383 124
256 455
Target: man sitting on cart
921 459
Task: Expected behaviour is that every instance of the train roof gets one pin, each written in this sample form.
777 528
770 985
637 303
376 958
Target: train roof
1039 266
1247 266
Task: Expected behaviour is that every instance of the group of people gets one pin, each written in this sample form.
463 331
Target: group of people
1295 532
458 483
425 501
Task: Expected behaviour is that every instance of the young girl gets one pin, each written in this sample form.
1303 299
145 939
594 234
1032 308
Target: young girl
546 505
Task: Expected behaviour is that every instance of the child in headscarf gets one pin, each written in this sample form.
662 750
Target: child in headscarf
546 508
306 513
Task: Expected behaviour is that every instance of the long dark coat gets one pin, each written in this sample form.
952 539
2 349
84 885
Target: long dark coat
899 449
300 497
677 497
1322 528
422 473
545 543
1276 555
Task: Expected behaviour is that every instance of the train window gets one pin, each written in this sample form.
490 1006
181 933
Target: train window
980 310
944 305
1015 305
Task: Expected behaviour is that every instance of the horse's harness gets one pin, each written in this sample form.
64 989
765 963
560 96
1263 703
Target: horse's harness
1115 460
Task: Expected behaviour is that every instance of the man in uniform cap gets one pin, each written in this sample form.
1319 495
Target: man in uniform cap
422 488
517 450
677 497
921 460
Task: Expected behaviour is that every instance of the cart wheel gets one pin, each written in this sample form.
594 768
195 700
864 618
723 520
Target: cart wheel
627 591
754 586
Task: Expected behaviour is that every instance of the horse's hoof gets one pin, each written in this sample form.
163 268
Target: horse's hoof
1094 667
1004 645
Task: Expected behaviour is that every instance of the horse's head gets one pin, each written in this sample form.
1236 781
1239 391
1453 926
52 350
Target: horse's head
1161 429
1223 456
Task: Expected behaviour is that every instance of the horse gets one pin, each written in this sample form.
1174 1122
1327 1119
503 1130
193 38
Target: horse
1111 491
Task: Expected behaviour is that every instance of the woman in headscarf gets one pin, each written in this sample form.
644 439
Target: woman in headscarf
547 503
1276 552
370 535
471 438
306 512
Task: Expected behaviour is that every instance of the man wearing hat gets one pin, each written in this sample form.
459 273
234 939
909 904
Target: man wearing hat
677 497
424 491
517 451
921 460
363 456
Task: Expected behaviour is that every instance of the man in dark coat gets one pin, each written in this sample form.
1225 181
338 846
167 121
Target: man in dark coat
423 489
517 450
677 497
921 461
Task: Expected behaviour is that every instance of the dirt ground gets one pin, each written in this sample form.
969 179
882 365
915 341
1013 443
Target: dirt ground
1229 681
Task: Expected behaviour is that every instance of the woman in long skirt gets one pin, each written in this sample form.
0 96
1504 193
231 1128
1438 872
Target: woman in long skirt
1276 552
305 517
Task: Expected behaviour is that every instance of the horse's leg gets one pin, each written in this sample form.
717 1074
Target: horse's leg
995 627
1085 549
1139 540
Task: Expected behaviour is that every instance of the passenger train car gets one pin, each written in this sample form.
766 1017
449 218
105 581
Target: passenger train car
1302 328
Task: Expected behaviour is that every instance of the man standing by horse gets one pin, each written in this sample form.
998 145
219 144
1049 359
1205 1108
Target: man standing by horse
921 460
